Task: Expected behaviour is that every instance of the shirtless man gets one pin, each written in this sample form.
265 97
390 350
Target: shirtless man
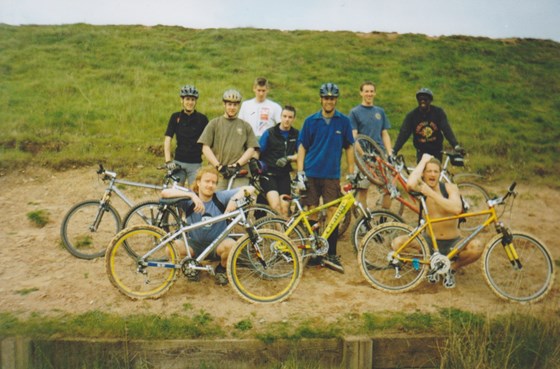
442 200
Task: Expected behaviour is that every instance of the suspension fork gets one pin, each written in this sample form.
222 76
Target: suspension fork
507 243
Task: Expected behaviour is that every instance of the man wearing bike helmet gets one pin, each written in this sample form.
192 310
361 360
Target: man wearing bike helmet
323 138
428 124
187 125
229 142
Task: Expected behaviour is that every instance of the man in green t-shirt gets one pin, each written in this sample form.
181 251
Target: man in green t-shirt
229 142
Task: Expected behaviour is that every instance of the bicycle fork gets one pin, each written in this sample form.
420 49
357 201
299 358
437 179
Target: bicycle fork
507 243
103 207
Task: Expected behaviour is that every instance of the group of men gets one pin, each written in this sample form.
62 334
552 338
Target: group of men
260 129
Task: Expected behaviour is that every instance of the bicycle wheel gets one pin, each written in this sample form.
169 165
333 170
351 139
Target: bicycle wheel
127 273
253 213
276 274
88 227
363 225
528 283
368 159
385 272
475 198
298 236
152 213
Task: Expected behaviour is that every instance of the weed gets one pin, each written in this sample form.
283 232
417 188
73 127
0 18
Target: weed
39 218
26 291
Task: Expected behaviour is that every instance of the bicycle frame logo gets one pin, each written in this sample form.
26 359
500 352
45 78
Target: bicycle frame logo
344 206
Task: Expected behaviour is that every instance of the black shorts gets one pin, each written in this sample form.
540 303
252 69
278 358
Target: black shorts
279 183
444 246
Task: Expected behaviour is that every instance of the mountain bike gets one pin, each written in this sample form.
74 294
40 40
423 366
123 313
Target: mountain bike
263 267
88 226
391 178
161 214
516 266
309 238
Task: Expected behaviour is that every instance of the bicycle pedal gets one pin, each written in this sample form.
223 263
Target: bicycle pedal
433 278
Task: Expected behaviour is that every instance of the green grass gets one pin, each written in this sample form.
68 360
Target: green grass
472 340
76 95
38 218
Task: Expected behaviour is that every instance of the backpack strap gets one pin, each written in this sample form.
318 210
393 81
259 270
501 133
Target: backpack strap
443 190
218 203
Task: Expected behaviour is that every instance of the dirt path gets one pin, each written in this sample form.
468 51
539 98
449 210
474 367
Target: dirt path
39 275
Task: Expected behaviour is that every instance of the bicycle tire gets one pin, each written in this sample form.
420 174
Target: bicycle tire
379 271
259 284
124 270
298 235
76 229
362 225
367 161
252 214
529 284
476 198
152 213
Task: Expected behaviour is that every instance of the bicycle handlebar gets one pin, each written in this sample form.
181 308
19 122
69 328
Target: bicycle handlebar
502 199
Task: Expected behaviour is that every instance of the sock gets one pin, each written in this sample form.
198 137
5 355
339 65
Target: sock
333 239
220 269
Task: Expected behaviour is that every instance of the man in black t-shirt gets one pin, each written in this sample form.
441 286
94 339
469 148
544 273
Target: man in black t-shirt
428 125
187 126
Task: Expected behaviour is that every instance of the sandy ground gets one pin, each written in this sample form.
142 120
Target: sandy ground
34 261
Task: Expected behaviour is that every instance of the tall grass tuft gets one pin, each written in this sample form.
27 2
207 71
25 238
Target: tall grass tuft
511 341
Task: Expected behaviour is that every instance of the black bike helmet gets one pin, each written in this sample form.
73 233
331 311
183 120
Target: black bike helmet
188 90
232 96
425 91
328 90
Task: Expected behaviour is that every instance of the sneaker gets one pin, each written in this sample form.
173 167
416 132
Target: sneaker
333 262
449 280
220 275
315 261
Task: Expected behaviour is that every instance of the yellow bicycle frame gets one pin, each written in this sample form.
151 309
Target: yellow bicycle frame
345 204
492 219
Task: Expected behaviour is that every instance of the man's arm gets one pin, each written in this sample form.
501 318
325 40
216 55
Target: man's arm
209 154
452 204
404 134
300 158
386 141
175 192
231 205
447 131
350 159
248 154
167 148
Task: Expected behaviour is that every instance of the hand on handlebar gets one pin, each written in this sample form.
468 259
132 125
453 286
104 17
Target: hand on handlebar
225 171
460 150
170 165
301 181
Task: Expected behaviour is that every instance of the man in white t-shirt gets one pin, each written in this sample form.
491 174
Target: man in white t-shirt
260 112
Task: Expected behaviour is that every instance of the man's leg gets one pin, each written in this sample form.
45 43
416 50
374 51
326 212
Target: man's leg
222 251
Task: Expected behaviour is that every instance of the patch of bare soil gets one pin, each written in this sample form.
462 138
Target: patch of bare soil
39 275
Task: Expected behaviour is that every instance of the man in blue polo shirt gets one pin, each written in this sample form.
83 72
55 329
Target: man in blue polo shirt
323 137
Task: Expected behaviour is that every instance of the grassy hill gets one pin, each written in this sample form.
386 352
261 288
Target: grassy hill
79 94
